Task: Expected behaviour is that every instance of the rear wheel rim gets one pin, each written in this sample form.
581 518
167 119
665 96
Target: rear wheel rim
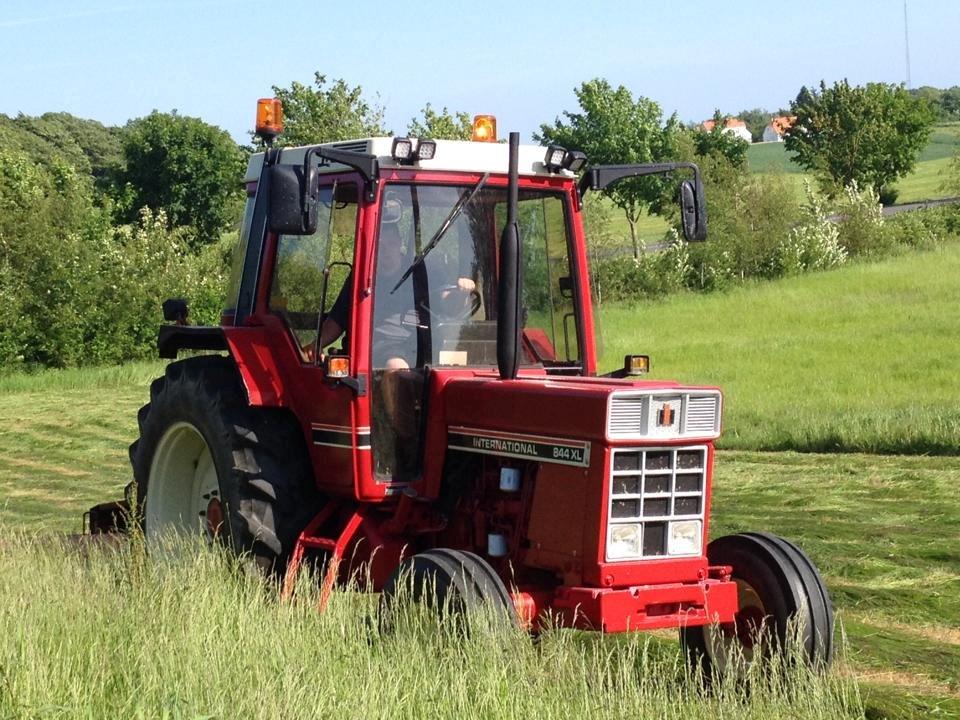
182 488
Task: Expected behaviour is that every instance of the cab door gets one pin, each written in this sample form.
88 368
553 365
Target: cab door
309 274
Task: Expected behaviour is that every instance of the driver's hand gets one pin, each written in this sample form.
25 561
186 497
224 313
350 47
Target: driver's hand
466 285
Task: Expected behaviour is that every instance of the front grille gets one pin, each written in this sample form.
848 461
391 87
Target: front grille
654 486
663 415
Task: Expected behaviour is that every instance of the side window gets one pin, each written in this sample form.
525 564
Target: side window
239 255
297 289
550 326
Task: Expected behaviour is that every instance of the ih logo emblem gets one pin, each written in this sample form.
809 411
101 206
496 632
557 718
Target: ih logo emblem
666 416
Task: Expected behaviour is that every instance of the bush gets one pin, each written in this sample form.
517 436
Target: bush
748 216
651 275
862 227
813 244
924 229
76 291
888 195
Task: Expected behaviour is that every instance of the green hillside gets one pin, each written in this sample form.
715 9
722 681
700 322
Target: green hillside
855 360
924 183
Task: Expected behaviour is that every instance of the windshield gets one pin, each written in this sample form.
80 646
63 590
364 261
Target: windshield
435 296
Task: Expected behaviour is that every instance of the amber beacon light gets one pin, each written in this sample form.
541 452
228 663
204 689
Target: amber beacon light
484 128
269 119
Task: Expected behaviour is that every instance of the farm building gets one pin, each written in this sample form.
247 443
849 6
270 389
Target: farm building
730 125
778 126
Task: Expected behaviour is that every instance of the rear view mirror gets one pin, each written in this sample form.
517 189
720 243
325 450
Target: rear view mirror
293 200
693 215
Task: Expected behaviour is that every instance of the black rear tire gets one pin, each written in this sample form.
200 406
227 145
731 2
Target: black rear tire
259 456
449 582
779 590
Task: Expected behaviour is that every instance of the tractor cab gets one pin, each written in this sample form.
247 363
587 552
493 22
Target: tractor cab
387 289
379 262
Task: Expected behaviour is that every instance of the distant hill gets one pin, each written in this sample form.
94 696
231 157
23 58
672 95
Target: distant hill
88 145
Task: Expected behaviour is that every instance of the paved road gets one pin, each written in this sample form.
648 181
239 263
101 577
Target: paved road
891 210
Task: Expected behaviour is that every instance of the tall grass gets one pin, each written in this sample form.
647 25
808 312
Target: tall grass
109 633
110 377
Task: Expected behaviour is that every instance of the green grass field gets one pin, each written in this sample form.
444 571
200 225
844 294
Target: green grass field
924 183
842 365
858 359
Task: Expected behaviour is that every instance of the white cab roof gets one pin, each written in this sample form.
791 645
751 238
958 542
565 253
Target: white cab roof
451 155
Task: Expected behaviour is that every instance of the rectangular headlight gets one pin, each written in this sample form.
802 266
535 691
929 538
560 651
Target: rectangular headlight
684 538
624 541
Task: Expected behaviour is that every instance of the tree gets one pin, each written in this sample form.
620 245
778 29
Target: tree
717 141
326 113
870 134
945 103
756 121
185 167
442 125
613 128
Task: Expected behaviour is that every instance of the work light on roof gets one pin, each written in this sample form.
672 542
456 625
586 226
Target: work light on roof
402 150
558 158
426 149
574 161
554 158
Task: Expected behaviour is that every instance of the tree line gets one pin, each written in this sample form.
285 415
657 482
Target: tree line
99 224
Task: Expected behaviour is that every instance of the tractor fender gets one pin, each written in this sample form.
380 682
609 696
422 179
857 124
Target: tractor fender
255 356
249 347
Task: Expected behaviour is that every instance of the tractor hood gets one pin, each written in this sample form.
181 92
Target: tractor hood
576 409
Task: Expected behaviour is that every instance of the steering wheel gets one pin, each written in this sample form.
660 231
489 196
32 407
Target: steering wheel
468 310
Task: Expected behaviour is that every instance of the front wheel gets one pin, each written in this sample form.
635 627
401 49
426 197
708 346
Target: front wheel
208 464
780 592
451 583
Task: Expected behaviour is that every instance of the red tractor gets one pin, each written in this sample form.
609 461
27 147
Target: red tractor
407 379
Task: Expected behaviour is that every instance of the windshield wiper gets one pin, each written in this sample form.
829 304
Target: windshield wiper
441 231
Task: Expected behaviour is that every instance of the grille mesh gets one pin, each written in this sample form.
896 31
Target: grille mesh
626 414
652 486
351 145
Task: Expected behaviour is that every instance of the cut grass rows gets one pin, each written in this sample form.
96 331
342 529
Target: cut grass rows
63 449
885 533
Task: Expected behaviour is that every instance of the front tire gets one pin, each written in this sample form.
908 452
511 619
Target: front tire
449 582
780 591
206 463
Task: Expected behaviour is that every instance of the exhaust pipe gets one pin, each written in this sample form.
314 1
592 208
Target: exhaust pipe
510 281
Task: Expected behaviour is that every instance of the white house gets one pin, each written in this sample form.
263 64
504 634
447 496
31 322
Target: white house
732 126
778 126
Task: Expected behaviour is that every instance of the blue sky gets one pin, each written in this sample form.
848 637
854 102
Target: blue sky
113 60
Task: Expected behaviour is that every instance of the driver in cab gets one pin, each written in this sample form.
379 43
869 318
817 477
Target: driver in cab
395 318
